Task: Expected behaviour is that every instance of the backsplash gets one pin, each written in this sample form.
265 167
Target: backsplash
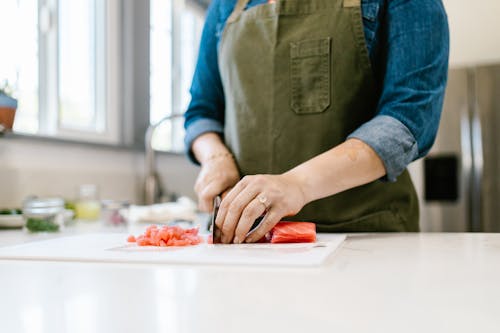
28 167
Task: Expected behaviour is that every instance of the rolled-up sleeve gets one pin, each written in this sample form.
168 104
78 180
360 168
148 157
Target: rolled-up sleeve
416 48
205 112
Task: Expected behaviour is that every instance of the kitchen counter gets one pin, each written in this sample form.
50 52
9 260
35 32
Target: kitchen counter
373 283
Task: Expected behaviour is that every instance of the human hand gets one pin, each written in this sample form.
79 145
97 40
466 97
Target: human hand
217 175
276 195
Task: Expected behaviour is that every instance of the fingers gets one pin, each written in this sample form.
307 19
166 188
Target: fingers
207 195
254 210
228 200
272 217
234 213
225 193
207 187
216 176
200 189
252 196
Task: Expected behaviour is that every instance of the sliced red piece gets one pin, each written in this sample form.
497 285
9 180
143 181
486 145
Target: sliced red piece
293 232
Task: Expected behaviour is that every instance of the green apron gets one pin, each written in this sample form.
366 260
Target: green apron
297 81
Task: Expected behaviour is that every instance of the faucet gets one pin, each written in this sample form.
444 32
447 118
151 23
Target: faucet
153 191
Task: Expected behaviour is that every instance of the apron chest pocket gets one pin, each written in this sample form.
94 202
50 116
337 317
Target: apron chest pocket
310 75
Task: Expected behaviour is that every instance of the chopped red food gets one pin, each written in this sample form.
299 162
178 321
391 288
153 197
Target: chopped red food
293 232
283 232
167 236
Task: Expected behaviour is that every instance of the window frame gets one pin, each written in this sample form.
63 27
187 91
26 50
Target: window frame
127 84
107 71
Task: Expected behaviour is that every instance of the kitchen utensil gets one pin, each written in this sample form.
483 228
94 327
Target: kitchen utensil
43 214
113 212
216 233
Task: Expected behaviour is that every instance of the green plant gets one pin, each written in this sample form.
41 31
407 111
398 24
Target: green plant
6 89
35 225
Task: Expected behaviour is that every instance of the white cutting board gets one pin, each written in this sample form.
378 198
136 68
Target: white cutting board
113 248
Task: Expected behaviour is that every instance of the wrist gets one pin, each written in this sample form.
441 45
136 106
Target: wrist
218 155
300 182
209 147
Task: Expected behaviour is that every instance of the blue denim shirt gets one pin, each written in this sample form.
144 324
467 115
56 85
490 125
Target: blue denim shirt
408 44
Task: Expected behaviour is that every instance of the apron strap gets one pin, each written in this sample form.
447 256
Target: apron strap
352 3
238 9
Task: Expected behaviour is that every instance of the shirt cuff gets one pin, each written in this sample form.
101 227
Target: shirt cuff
392 141
197 128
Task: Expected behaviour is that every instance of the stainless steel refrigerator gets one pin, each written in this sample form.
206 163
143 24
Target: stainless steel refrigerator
461 176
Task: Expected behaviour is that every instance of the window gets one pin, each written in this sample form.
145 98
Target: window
60 65
175 30
88 44
78 104
80 68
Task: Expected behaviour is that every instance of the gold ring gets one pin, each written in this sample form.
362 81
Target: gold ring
263 199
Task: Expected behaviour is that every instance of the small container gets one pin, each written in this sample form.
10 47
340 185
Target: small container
43 214
113 212
8 106
87 206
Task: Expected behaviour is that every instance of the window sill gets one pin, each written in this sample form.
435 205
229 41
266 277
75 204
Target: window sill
68 142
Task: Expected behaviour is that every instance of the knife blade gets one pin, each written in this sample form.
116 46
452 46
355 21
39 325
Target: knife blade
216 233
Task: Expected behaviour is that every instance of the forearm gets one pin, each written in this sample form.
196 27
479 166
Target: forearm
209 145
350 164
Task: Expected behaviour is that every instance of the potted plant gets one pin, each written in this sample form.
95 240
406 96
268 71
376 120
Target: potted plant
8 106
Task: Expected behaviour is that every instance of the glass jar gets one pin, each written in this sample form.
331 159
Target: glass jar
87 207
43 214
114 212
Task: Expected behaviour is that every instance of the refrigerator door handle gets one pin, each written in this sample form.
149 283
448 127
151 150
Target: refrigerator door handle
466 161
476 139
478 162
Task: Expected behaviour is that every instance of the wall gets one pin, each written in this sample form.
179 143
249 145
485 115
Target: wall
28 167
474 27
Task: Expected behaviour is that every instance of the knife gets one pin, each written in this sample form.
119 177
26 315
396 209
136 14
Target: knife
216 233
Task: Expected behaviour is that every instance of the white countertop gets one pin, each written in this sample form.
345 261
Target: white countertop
374 283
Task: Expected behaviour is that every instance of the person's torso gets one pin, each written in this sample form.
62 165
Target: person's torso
297 80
